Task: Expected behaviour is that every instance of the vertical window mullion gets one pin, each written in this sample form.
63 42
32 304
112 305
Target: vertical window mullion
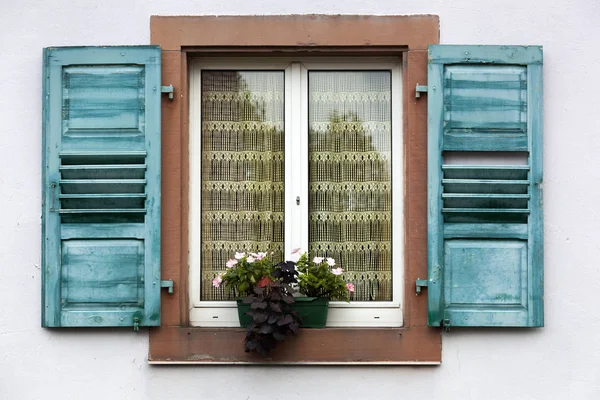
296 158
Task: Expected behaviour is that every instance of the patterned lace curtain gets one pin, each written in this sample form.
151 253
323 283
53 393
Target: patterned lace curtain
350 187
242 169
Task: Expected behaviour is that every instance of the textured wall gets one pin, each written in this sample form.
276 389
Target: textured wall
559 361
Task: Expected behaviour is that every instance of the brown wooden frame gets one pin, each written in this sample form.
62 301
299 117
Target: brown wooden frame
180 37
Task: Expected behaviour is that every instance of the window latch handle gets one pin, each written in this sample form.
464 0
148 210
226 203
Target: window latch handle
297 200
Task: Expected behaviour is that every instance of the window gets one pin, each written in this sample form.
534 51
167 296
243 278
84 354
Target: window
299 152
182 38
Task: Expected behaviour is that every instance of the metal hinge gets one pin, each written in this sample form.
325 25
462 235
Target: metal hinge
168 89
167 284
420 89
421 283
446 324
136 324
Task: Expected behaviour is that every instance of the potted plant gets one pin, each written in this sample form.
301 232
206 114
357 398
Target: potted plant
320 280
242 273
265 310
271 302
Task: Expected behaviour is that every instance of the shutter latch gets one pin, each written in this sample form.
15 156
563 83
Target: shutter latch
167 284
421 283
136 324
167 89
420 89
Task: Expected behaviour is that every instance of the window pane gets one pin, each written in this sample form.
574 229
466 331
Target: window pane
242 169
350 187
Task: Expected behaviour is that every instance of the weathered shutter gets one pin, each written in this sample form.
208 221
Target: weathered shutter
101 186
485 221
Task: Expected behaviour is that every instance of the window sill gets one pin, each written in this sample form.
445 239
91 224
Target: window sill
416 345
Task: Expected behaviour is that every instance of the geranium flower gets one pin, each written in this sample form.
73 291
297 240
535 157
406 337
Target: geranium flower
318 260
350 287
260 256
239 255
231 263
337 271
217 281
250 259
330 262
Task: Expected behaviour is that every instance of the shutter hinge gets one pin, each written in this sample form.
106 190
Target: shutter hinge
446 324
136 324
167 284
167 89
421 283
420 89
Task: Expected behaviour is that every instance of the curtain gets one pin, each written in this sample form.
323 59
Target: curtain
242 169
350 186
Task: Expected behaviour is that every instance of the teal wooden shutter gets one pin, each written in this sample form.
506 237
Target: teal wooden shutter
485 221
101 186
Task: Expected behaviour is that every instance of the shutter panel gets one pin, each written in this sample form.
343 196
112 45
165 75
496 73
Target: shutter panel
101 186
485 221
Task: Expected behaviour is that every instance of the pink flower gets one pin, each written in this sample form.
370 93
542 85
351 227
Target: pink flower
337 271
350 287
231 263
296 254
217 281
239 255
250 259
318 260
330 261
260 256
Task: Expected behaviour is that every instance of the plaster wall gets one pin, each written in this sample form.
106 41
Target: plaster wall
559 361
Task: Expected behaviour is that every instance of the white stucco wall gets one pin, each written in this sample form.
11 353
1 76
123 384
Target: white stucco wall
559 361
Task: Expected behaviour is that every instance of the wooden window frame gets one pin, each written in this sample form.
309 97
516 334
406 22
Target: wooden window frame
175 342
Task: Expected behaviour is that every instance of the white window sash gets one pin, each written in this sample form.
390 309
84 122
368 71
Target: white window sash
353 314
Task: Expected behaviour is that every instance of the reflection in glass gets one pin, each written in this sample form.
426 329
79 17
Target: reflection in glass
350 188
242 169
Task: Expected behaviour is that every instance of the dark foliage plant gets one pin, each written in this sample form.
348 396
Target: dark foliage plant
273 319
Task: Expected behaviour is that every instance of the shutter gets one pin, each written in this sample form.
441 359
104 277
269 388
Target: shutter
485 221
101 186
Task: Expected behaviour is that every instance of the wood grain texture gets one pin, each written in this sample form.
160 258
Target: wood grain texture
485 222
101 210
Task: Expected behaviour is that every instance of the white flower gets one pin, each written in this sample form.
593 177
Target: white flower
239 255
250 259
318 260
330 262
231 263
337 271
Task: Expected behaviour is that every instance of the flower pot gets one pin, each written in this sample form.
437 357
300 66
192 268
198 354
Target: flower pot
245 319
312 310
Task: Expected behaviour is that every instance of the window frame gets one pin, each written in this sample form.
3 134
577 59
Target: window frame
296 70
180 38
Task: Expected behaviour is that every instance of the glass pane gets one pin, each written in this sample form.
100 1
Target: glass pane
350 187
242 169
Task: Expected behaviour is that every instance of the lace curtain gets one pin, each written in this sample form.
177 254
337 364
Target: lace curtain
350 187
350 201
242 169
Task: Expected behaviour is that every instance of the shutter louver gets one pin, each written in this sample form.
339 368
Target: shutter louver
101 210
485 220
